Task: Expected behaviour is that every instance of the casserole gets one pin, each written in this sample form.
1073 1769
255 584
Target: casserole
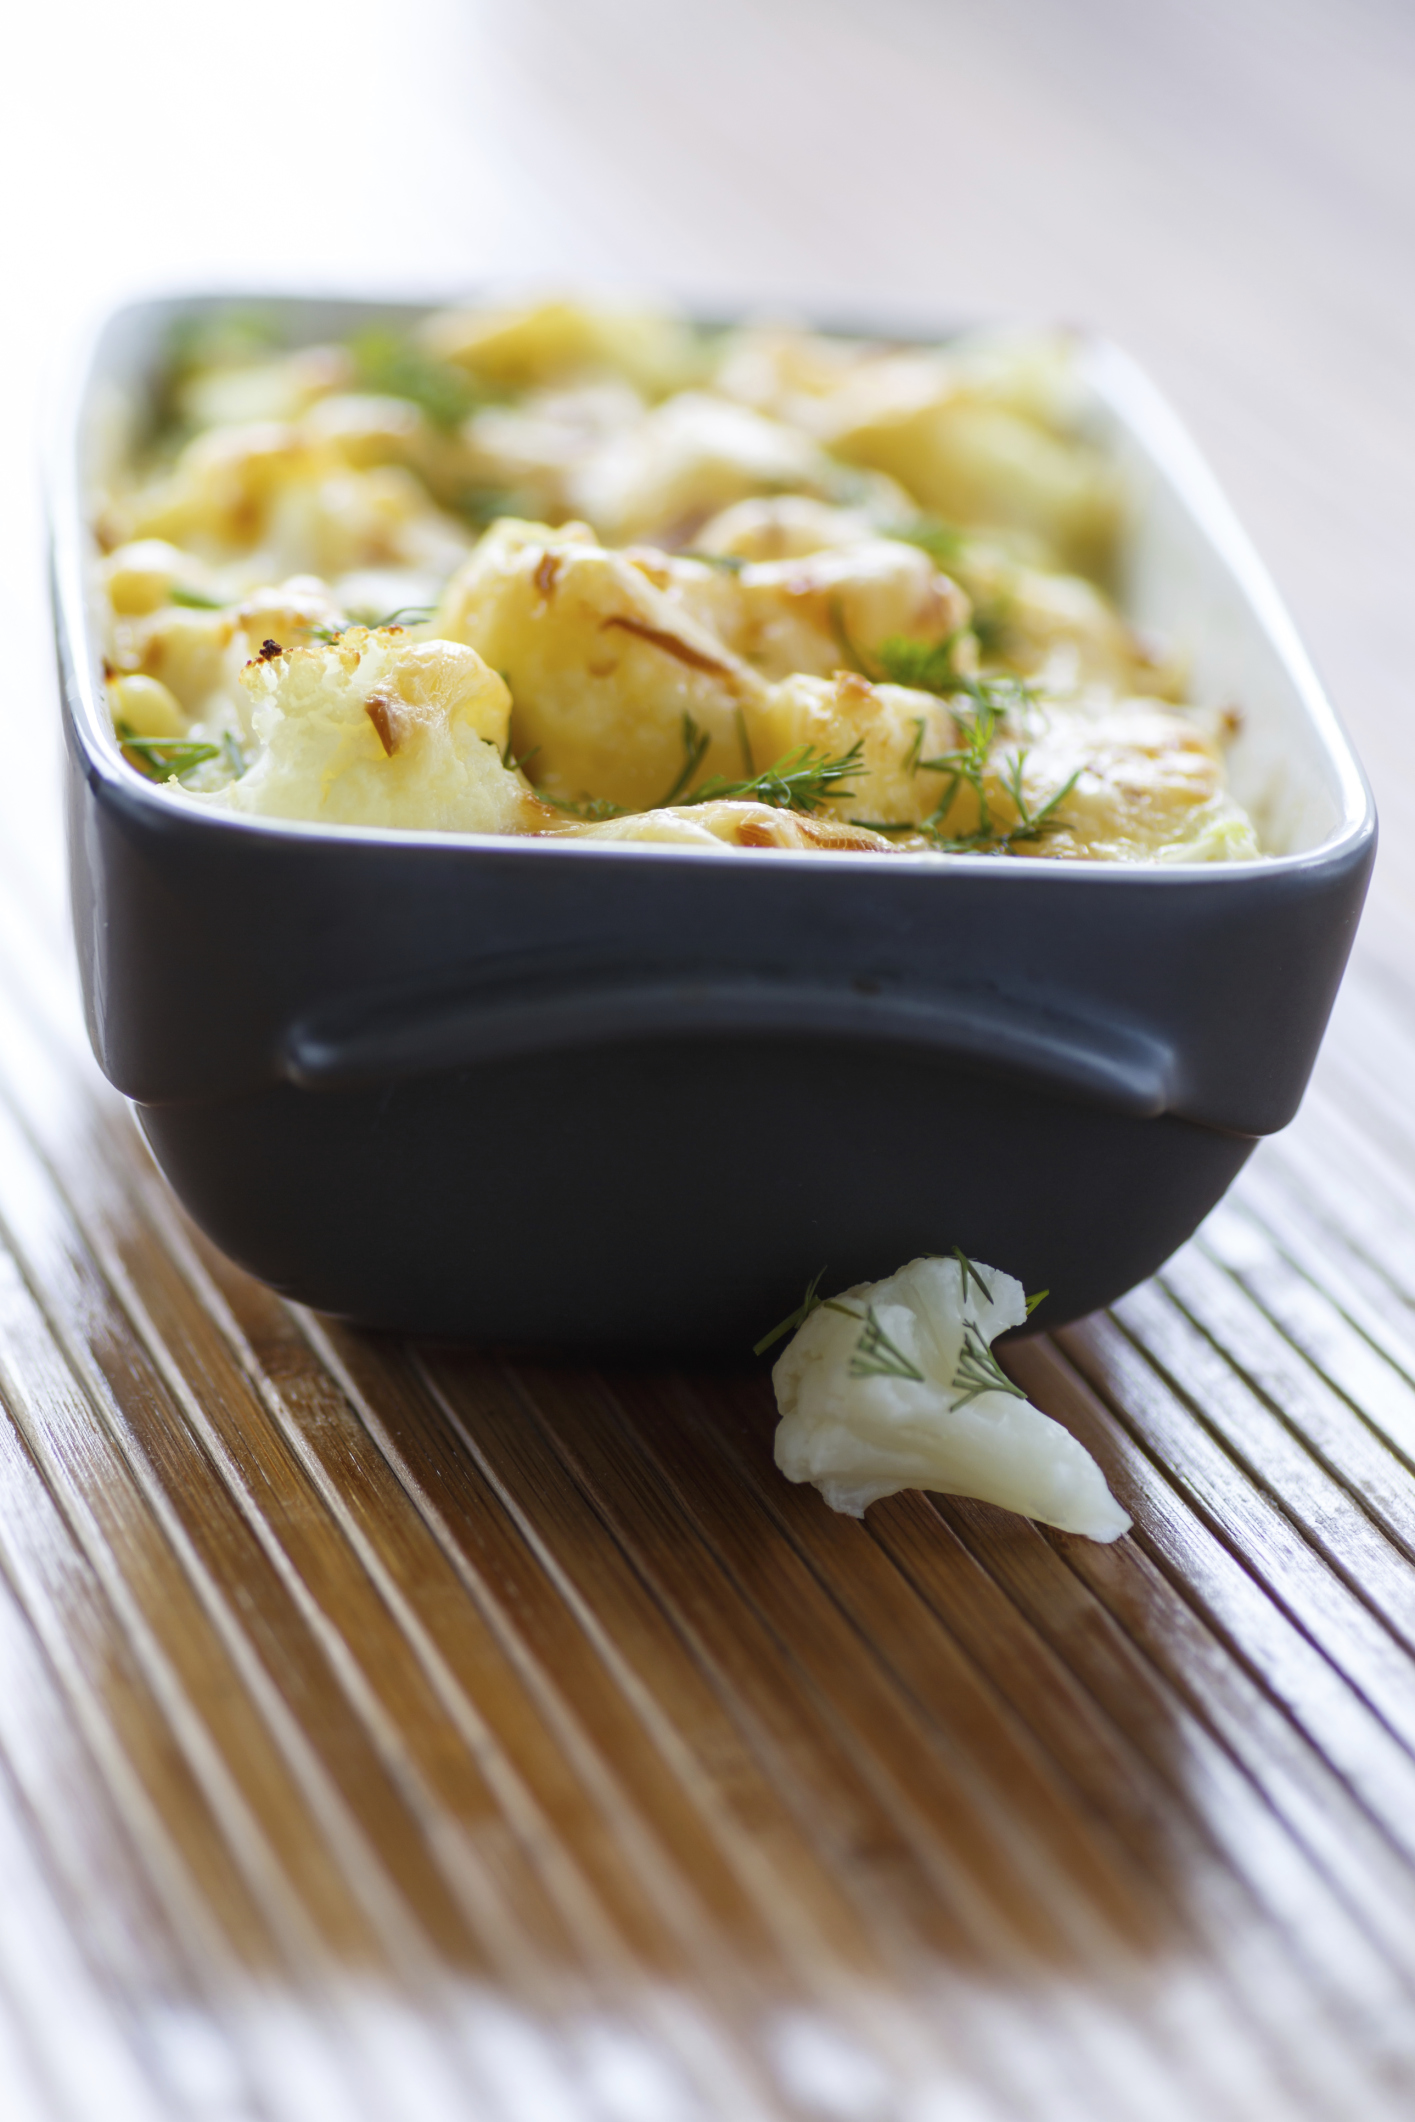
632 1095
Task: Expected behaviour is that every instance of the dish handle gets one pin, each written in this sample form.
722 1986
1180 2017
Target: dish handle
359 1044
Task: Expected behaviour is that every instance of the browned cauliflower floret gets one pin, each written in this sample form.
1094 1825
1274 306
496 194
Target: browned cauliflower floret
685 461
784 527
526 344
1149 786
894 727
376 729
972 459
602 665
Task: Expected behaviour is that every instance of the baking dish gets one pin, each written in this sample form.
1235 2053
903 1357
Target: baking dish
635 1096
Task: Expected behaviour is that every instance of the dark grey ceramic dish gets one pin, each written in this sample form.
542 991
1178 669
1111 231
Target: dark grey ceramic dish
637 1096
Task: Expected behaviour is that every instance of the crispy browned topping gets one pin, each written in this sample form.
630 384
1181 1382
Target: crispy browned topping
695 658
379 709
269 650
547 573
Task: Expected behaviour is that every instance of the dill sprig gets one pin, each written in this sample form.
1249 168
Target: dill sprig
809 1303
481 505
944 543
800 780
412 614
591 810
965 1270
389 364
161 758
697 743
194 600
875 1356
726 563
924 666
979 1371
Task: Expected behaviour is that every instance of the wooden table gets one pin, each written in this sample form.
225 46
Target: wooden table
388 1732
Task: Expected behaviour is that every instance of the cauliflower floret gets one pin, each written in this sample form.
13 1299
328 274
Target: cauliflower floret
892 1385
971 459
686 461
187 650
785 527
375 729
291 503
234 393
724 824
364 428
141 577
1150 784
546 341
528 453
603 667
895 727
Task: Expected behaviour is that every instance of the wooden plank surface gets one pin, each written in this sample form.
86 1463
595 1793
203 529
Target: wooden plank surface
393 1732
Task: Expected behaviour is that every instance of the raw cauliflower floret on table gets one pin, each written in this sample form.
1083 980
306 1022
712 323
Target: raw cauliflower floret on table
377 729
892 1386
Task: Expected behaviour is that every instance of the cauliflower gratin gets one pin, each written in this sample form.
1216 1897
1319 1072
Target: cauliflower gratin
893 1385
567 570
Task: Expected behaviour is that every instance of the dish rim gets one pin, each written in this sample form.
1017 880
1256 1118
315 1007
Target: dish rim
1122 382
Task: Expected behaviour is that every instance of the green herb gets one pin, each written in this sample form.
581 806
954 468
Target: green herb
924 666
480 505
235 757
593 810
876 1356
1033 825
193 600
162 757
696 746
386 362
979 1371
511 764
746 743
853 656
728 563
944 543
809 1303
415 614
1038 1297
801 780
965 1269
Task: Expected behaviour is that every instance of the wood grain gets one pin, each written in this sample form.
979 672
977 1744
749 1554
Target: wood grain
393 1731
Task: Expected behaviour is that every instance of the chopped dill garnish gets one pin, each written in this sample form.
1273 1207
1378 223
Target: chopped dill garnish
728 563
979 1371
161 758
511 764
591 810
1032 825
193 600
809 1303
853 657
696 745
746 743
1037 1297
389 364
923 666
965 1269
480 505
876 1356
800 780
943 542
414 614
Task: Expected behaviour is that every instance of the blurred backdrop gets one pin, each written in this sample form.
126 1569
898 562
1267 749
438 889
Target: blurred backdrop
1226 185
